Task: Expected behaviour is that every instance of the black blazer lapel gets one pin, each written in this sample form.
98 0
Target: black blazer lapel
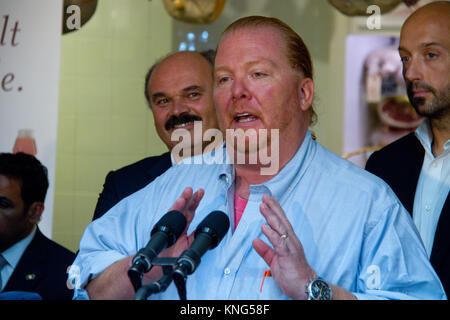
399 165
162 165
31 267
412 166
441 244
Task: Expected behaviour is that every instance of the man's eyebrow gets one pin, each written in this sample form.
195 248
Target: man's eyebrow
221 68
193 88
423 45
256 62
157 95
250 64
430 44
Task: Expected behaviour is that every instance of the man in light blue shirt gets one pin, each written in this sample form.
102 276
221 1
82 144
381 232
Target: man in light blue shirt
324 228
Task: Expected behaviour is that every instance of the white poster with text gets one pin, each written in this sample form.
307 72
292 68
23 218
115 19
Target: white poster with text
30 45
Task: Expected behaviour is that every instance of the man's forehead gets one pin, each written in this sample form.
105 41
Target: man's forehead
8 186
263 44
431 21
180 78
184 60
434 33
250 33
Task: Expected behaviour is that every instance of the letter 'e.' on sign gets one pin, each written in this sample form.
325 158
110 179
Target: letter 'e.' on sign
30 46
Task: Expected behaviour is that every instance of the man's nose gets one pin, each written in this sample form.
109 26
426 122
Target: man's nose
179 106
412 71
239 89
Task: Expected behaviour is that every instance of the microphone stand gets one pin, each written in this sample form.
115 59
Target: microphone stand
143 292
159 286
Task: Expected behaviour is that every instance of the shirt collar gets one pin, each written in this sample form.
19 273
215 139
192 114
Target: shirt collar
280 185
288 177
15 252
425 136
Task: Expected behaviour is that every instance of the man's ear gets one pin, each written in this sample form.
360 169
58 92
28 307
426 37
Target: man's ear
34 212
306 93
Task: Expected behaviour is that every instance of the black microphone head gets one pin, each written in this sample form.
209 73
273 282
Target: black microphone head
173 223
216 224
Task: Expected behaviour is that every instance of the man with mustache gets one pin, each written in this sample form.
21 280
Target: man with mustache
179 91
318 228
417 166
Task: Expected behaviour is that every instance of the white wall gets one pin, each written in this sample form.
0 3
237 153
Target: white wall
356 112
30 42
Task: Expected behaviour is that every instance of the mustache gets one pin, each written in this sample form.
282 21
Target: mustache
183 118
419 85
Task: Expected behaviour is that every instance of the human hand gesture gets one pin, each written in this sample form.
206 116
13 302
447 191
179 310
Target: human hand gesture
286 259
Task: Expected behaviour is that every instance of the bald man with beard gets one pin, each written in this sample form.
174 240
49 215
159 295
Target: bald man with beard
417 166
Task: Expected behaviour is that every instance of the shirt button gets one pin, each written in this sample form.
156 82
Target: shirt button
434 165
427 208
227 271
224 177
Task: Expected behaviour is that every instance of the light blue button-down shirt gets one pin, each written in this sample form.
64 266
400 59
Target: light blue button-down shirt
432 188
354 231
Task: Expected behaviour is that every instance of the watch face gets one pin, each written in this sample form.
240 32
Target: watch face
320 290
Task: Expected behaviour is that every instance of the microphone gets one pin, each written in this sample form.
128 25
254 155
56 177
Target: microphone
207 236
164 234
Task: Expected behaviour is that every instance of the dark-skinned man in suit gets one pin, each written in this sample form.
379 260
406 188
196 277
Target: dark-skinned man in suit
30 263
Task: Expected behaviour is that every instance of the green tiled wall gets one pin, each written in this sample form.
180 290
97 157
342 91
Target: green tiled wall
104 122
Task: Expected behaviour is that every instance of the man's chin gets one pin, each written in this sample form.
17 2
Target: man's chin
420 105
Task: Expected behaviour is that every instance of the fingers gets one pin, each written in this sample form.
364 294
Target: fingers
188 202
183 242
279 230
264 250
181 202
275 216
190 239
194 201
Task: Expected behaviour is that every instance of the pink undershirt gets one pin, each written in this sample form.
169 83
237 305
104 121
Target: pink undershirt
239 207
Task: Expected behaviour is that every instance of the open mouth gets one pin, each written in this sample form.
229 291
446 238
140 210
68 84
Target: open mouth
182 121
183 125
245 117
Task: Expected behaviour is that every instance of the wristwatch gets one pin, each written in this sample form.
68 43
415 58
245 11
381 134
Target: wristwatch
318 289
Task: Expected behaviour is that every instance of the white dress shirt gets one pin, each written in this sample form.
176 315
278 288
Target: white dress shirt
432 188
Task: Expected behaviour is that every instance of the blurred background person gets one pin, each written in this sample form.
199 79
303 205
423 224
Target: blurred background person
29 261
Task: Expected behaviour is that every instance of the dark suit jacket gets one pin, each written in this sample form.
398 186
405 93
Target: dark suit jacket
121 183
399 164
43 269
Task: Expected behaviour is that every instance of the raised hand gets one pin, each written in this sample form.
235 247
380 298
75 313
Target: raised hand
286 259
187 203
